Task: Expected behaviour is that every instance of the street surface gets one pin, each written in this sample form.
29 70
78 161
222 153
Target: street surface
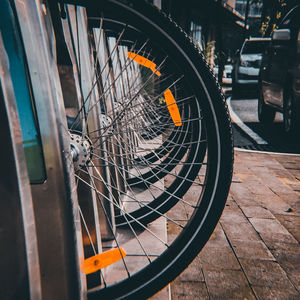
254 252
250 134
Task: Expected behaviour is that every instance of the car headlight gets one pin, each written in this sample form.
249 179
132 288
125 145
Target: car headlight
245 63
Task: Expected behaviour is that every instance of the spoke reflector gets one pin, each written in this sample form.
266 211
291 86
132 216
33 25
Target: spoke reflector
172 107
102 260
144 62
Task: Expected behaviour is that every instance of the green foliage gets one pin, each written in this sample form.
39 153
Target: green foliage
209 52
273 12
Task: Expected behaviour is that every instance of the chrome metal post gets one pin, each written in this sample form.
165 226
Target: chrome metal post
55 201
20 270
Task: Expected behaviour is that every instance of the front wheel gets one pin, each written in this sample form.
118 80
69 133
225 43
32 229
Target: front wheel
289 113
266 114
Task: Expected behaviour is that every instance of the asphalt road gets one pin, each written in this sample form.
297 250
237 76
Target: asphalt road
250 134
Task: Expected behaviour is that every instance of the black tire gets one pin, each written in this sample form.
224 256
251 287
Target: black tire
290 121
207 113
265 113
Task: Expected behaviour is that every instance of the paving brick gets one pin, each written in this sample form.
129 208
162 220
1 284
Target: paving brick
239 165
295 187
227 284
255 185
231 205
173 230
295 172
218 238
189 290
291 165
257 211
193 272
293 199
290 160
275 184
236 226
273 293
164 294
291 223
289 260
262 171
272 232
235 178
289 181
274 203
284 173
218 259
253 249
217 253
266 273
242 195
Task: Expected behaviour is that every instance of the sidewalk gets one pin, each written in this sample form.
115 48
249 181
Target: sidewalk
254 253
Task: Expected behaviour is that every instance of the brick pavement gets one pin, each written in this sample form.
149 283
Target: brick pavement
254 253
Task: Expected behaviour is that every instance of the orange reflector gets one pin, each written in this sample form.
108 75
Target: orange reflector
144 62
102 260
172 107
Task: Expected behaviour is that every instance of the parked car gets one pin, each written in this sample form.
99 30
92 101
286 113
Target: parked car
246 67
226 79
215 70
279 80
227 74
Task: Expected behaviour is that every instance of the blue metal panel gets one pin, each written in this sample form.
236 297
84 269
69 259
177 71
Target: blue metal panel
21 85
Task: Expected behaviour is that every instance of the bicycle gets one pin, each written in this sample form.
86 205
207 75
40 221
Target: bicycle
145 115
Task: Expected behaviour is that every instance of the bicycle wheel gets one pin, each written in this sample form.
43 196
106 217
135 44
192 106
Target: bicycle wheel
140 128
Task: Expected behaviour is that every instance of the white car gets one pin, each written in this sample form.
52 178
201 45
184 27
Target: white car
227 78
245 70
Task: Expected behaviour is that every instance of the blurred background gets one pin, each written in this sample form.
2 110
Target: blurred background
253 48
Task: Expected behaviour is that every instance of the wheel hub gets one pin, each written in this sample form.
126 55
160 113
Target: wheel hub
81 150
